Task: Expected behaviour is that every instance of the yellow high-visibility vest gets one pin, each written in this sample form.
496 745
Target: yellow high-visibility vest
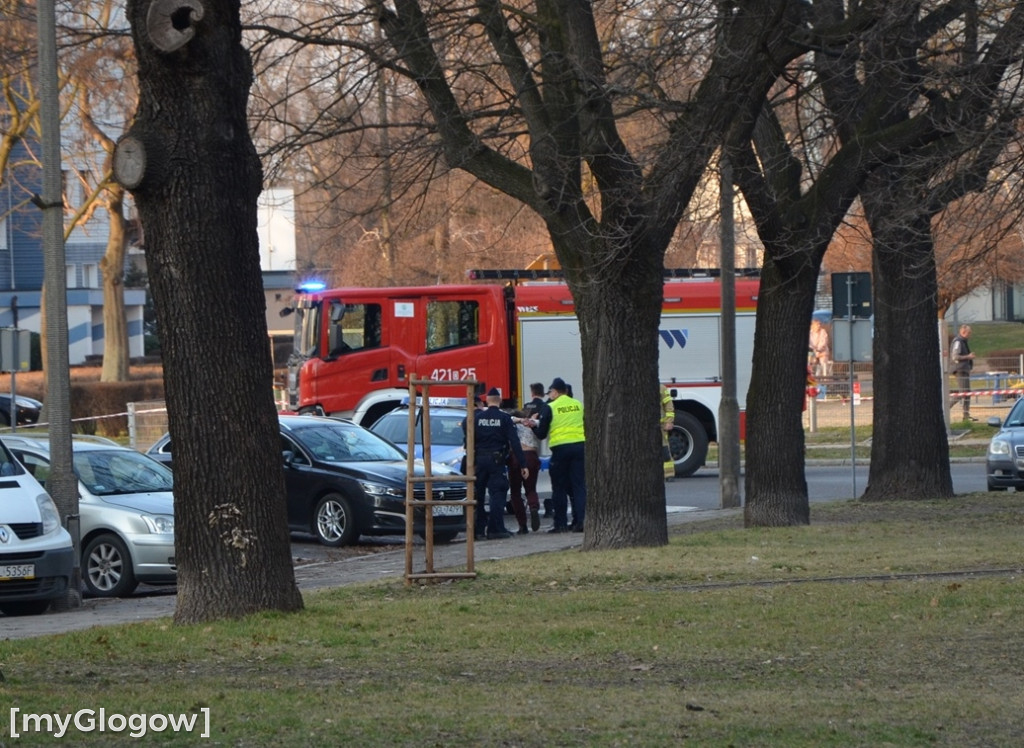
566 421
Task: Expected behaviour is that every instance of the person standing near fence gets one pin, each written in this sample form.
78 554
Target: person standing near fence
962 362
818 345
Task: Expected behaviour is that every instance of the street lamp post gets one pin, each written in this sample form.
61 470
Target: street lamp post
61 483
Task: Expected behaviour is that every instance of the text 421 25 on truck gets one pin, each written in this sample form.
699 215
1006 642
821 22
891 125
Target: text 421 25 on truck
356 348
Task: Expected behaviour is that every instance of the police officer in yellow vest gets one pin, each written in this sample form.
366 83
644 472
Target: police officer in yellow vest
562 426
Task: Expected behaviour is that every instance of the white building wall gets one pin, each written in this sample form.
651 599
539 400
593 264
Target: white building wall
276 227
136 337
79 333
975 307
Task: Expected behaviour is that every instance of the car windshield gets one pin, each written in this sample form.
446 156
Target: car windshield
113 472
445 428
8 465
1016 417
341 442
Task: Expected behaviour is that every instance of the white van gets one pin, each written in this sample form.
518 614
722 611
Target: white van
36 554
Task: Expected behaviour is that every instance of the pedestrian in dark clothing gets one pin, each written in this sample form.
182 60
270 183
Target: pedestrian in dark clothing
494 436
528 485
962 361
537 408
538 404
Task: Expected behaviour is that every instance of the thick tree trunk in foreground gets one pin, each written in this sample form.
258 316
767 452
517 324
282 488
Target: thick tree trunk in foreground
196 191
909 448
775 485
625 481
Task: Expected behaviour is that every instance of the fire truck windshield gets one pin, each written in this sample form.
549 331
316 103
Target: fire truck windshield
309 331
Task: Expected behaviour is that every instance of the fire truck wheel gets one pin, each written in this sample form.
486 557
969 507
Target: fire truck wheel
688 442
334 522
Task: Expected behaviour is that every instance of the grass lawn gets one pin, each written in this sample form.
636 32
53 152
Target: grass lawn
987 337
894 624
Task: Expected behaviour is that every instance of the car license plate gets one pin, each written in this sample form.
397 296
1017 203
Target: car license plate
19 571
447 511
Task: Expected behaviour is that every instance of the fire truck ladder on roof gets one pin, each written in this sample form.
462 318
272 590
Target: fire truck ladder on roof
556 273
421 388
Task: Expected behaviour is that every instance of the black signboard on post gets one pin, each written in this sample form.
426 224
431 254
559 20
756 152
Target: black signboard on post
851 312
851 295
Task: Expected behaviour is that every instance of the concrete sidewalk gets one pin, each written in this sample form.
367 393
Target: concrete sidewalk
328 574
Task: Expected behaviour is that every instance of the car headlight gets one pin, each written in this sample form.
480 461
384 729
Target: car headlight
999 447
159 523
380 489
48 513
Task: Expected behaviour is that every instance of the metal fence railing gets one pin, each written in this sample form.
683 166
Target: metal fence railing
992 394
147 422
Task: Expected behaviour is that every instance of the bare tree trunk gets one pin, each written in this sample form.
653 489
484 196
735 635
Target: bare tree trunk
387 238
115 329
196 178
625 505
909 449
776 487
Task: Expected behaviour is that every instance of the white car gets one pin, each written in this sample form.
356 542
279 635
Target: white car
36 554
126 506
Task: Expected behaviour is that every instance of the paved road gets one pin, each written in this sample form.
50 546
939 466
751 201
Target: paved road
829 482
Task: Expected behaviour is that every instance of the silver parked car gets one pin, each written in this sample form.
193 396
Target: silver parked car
126 506
447 438
1004 463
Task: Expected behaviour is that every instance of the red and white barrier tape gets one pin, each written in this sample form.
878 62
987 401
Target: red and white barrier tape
99 418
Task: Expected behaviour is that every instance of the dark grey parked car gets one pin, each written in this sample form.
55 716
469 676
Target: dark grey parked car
344 481
28 410
1004 463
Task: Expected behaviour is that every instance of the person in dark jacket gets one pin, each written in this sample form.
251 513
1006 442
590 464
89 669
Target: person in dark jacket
494 436
538 409
538 404
961 362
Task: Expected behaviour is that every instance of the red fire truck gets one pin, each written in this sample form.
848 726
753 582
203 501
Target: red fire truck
356 348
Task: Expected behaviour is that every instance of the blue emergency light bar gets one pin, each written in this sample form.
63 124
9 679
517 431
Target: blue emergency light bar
311 286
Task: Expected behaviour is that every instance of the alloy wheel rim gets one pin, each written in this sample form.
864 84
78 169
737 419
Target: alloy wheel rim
105 566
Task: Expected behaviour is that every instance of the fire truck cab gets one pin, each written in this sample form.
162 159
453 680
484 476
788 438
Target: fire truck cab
357 348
